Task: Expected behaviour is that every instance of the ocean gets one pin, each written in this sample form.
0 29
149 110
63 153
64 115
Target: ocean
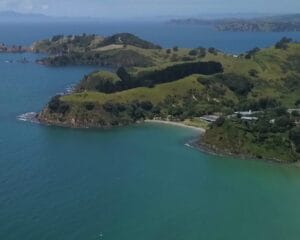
167 35
136 182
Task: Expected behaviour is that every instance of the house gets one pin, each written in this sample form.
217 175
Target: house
210 118
249 118
245 113
293 110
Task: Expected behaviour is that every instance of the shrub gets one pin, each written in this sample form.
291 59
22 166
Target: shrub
294 136
89 106
193 52
187 59
252 52
253 72
283 43
202 52
146 105
57 106
219 122
236 83
267 102
213 51
174 58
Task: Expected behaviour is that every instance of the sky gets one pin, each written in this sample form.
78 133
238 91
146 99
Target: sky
148 8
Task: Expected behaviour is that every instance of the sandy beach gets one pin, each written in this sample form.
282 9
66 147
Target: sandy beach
178 124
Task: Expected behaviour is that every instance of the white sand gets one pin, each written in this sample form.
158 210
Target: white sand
178 124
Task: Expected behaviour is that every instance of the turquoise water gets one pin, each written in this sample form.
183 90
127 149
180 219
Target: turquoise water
138 182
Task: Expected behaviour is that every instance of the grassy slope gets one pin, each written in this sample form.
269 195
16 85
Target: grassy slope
155 94
269 64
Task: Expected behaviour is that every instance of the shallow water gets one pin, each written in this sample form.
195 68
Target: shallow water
139 182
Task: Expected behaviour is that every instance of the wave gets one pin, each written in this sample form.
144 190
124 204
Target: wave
28 117
68 90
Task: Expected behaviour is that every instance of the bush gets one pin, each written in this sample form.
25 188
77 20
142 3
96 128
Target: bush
283 123
193 52
57 106
294 136
267 102
236 83
292 82
252 52
283 43
175 49
253 72
219 122
123 74
174 58
213 51
202 52
89 106
146 105
187 59
56 38
281 111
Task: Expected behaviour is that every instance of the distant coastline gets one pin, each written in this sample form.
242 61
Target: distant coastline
284 23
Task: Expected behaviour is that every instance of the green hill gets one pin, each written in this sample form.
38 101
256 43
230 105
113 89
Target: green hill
122 49
189 86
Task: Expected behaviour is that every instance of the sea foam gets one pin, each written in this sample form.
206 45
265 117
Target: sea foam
28 117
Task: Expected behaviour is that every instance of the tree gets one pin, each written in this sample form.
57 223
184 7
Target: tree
294 136
219 122
202 52
283 43
175 49
57 106
253 72
89 106
123 74
146 105
252 52
193 52
213 51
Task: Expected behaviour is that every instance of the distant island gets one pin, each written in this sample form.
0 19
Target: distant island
249 104
284 23
14 48
18 17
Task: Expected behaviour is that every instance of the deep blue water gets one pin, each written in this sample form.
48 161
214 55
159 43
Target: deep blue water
138 182
161 33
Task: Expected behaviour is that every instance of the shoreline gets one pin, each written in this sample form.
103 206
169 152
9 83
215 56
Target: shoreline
177 124
194 143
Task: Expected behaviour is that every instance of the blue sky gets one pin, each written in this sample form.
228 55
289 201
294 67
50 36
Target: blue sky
148 8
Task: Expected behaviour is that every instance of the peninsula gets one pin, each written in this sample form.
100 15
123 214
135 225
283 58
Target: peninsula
249 103
282 23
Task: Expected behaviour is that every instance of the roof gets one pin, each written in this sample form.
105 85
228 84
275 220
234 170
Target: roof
210 118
